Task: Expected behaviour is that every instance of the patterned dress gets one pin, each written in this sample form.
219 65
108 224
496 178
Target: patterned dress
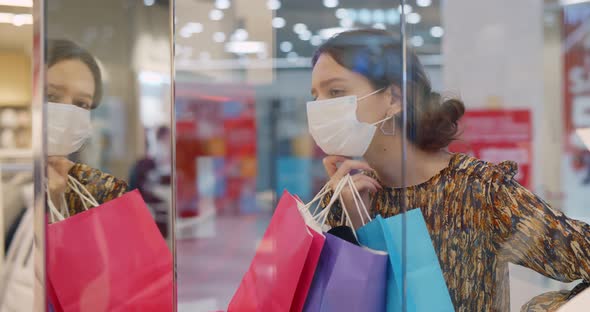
103 187
480 219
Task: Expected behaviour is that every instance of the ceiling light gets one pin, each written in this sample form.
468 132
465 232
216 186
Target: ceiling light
379 16
341 13
365 16
393 17
222 4
331 3
219 37
278 22
240 35
305 36
315 40
16 19
215 15
273 4
17 3
292 56
407 8
437 31
245 47
379 26
346 22
570 2
417 41
191 28
423 3
286 46
299 28
149 2
413 18
6 18
22 19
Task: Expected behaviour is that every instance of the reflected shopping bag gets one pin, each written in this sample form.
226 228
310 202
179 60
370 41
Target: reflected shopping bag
426 287
348 278
109 258
271 282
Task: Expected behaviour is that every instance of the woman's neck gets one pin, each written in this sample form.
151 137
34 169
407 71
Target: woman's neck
420 165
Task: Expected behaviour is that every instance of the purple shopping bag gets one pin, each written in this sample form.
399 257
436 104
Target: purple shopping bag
348 278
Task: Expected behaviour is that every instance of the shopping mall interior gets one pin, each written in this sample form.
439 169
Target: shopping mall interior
203 110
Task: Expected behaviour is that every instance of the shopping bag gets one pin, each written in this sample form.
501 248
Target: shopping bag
272 280
348 278
426 287
110 258
309 269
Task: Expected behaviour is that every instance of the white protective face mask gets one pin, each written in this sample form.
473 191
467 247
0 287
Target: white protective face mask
68 128
336 129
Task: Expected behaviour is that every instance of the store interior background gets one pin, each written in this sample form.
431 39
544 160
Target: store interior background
242 77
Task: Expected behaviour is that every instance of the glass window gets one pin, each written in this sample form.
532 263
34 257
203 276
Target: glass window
109 155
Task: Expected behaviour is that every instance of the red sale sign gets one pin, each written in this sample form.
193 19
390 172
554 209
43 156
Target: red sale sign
498 135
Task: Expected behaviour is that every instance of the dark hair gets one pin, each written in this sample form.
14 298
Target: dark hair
377 55
59 50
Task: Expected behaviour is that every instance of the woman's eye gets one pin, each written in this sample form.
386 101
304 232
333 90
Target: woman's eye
82 104
52 97
336 92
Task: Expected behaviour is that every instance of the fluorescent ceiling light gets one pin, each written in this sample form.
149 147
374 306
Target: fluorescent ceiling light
424 3
215 15
245 47
315 40
437 31
16 19
570 2
222 4
17 3
278 22
273 4
331 3
414 18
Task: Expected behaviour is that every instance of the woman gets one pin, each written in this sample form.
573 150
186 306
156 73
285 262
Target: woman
478 216
74 87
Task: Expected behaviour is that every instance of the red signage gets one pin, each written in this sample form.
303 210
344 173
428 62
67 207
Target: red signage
498 135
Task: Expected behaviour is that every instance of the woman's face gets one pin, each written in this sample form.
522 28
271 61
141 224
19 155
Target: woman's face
331 80
70 82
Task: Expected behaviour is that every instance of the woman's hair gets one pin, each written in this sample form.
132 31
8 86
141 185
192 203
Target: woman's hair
59 50
377 55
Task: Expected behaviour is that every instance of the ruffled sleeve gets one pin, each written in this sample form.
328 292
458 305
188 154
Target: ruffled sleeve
103 187
528 232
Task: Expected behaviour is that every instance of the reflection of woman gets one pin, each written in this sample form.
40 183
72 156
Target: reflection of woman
478 216
74 87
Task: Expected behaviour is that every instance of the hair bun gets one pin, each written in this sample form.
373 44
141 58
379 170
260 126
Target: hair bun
439 126
452 110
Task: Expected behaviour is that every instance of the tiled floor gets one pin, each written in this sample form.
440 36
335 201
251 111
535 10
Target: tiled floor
211 266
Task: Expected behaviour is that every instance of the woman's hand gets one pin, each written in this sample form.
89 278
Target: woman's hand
57 176
337 168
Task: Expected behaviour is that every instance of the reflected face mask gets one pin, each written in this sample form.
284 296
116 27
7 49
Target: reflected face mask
336 129
68 128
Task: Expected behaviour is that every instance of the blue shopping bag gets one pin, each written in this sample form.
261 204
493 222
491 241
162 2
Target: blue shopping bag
426 287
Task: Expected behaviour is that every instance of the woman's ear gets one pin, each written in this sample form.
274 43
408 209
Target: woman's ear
394 109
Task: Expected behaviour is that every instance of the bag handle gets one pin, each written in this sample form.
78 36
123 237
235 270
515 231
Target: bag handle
84 194
322 216
87 200
358 200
